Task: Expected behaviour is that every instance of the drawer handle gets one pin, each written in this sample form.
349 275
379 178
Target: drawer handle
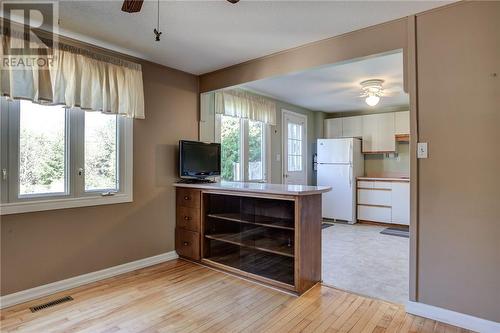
186 243
186 198
187 218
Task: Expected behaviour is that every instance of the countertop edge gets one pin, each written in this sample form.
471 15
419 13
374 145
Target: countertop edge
385 179
211 187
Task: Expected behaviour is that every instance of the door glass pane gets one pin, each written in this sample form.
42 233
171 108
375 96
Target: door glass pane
230 148
42 153
100 152
294 146
255 150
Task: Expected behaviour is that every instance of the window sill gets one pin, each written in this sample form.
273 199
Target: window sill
53 204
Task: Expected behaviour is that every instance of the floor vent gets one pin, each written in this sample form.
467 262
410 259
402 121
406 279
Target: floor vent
51 303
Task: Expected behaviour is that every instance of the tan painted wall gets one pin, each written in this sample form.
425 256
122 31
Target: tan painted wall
43 247
459 184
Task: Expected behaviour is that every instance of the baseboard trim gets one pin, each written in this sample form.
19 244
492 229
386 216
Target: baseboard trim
52 288
453 318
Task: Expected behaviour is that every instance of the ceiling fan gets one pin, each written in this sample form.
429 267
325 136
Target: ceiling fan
134 6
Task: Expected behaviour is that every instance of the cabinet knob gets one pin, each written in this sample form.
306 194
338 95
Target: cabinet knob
186 198
186 243
187 218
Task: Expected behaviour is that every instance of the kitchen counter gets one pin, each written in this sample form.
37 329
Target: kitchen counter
264 188
386 179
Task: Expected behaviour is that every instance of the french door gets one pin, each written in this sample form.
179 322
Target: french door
294 148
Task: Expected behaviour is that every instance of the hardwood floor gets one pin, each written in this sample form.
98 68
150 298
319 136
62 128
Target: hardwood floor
179 296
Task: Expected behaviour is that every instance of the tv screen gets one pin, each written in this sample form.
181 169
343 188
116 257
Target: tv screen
199 159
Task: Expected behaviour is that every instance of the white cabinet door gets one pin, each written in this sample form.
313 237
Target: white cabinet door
379 133
333 128
402 122
352 127
375 214
400 203
374 197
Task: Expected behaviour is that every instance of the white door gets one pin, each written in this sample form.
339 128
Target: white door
335 150
401 203
294 148
339 203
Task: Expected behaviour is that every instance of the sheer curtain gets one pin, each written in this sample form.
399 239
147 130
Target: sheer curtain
241 104
73 77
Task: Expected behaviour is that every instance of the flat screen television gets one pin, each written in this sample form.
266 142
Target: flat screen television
199 160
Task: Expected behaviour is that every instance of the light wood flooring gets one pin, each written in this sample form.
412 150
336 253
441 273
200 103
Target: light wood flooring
179 296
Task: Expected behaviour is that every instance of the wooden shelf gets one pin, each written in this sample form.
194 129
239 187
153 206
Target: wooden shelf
255 239
265 221
263 264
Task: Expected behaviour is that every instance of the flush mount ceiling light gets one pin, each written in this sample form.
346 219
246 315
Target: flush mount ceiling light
372 91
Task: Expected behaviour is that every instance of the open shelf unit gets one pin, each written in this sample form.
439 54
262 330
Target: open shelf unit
252 235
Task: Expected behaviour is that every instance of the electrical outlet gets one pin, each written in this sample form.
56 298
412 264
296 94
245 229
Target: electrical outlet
422 151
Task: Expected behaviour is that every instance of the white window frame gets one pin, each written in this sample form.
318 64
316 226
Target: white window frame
266 149
75 194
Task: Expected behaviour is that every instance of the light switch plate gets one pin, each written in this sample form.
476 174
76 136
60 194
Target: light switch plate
422 150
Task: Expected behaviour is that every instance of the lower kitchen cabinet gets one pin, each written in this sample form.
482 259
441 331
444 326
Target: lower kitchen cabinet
384 201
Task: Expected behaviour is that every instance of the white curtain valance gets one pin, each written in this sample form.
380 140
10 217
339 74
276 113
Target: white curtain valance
241 104
74 78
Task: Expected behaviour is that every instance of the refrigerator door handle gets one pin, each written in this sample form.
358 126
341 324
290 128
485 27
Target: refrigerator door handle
350 176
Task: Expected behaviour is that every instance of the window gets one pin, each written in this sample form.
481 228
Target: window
42 150
294 147
100 152
243 145
54 157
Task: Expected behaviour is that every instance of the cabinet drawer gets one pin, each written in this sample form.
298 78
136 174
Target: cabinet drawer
188 198
382 185
374 197
376 214
187 243
188 218
365 184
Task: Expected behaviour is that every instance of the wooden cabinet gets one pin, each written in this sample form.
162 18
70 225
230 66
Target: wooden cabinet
271 238
400 203
333 128
188 223
352 127
379 133
402 123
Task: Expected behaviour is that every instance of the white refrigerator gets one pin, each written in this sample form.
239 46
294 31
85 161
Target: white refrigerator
340 162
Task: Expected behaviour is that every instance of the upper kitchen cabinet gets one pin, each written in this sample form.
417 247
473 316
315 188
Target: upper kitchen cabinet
333 128
352 127
402 123
379 133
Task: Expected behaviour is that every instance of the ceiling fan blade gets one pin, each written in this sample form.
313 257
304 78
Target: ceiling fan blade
233 1
132 6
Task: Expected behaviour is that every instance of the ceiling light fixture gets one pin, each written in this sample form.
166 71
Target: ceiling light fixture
372 91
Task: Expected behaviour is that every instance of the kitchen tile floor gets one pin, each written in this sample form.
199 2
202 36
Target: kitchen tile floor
359 259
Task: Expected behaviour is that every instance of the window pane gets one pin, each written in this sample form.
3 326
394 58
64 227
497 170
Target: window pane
255 150
230 148
294 146
100 152
42 145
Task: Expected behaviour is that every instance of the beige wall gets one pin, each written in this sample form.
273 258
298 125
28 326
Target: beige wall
43 247
459 184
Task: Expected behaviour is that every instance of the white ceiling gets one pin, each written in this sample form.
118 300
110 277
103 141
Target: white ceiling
202 36
337 88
